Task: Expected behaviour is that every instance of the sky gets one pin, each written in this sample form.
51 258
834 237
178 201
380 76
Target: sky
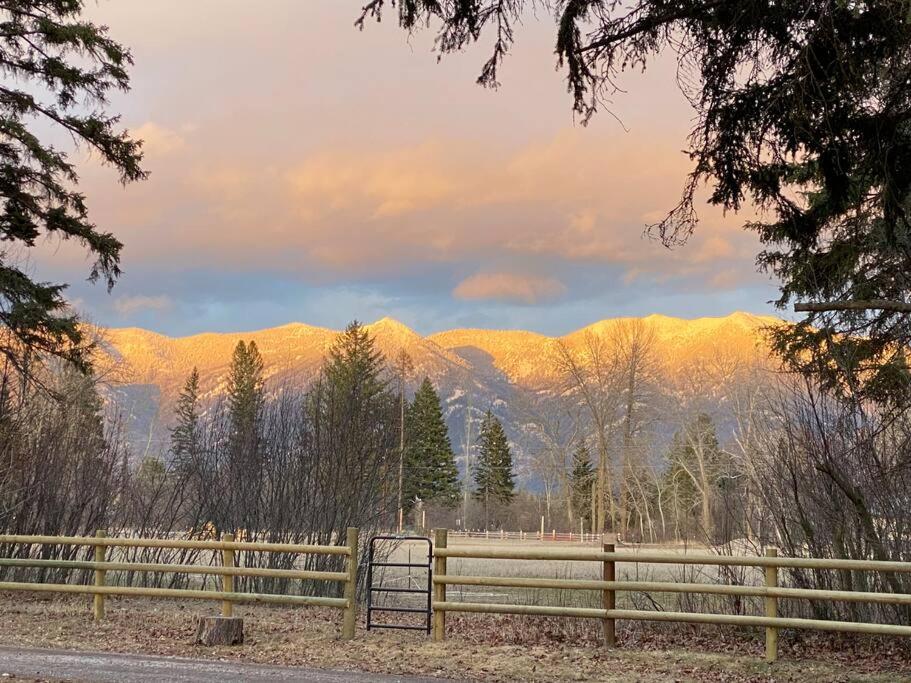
304 171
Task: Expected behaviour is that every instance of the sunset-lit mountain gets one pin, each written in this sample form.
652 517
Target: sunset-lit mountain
473 369
526 358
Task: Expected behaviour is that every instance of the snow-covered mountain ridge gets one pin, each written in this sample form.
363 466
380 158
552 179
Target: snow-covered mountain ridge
473 369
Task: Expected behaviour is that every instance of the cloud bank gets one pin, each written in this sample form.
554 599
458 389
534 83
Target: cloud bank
322 165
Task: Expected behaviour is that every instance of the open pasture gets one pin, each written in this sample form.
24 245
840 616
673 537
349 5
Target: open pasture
408 551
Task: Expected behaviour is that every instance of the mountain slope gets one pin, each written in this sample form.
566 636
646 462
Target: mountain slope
472 369
526 358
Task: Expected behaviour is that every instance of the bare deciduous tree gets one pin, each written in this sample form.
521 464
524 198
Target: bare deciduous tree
589 375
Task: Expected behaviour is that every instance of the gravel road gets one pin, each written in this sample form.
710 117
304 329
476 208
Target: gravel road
69 665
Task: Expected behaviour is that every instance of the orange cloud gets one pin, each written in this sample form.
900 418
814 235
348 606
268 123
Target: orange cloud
384 184
157 139
526 289
341 212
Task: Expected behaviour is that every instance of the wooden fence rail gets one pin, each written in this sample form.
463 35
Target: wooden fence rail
228 570
770 591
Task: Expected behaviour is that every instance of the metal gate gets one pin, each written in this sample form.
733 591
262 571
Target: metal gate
425 589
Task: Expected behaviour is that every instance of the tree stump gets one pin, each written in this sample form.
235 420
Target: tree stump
219 631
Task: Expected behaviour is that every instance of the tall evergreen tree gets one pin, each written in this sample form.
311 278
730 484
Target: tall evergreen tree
355 366
58 72
245 392
580 483
354 423
430 469
245 479
185 434
493 476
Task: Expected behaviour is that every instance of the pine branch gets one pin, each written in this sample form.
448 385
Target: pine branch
857 305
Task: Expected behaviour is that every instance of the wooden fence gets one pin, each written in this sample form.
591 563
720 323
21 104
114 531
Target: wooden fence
609 586
227 570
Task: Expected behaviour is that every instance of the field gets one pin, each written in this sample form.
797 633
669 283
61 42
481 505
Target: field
558 569
480 647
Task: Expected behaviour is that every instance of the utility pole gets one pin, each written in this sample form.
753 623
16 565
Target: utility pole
404 365
466 481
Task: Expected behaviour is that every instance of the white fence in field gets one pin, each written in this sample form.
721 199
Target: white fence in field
553 535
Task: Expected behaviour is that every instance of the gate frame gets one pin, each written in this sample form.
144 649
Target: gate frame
428 591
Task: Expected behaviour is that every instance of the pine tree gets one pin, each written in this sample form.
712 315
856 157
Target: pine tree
430 469
245 463
493 476
245 392
355 366
185 434
151 473
59 70
581 479
354 422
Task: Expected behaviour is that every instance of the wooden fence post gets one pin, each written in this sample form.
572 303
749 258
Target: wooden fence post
440 536
227 580
609 596
771 609
349 621
99 575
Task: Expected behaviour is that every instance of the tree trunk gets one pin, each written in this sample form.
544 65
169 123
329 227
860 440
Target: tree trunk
219 631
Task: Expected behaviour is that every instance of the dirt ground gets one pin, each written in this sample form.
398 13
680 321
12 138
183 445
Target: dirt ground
487 648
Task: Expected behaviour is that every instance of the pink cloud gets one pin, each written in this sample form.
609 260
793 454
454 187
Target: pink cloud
126 305
335 213
526 289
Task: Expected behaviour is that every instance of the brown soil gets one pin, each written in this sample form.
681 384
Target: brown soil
488 648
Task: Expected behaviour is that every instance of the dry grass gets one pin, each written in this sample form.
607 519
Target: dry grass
482 648
576 569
